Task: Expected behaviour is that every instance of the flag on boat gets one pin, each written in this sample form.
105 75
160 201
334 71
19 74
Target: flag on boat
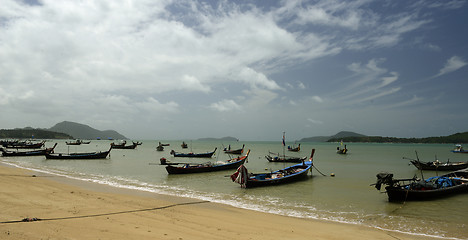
240 176
284 143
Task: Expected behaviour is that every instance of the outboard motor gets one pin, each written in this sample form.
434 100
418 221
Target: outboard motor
384 178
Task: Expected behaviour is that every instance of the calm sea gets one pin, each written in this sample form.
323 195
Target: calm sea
347 197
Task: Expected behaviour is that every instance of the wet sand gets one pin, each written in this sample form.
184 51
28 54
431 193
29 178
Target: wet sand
69 209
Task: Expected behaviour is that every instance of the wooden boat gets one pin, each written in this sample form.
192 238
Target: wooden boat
76 142
290 174
235 151
459 149
436 165
294 149
39 152
204 167
123 146
159 148
272 158
184 145
193 155
439 166
341 150
88 155
414 189
24 145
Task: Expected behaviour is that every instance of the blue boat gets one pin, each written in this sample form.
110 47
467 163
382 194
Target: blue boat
459 149
290 174
414 189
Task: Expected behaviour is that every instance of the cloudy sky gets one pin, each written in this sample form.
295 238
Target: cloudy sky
248 69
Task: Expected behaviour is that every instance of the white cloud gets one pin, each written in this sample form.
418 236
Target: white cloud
331 13
225 106
191 83
256 79
317 99
152 105
406 103
301 85
314 121
452 65
388 80
380 94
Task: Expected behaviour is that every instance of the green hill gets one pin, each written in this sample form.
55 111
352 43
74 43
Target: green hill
27 133
219 139
342 134
81 131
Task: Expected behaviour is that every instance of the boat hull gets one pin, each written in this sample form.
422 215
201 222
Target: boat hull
20 154
459 151
97 155
285 159
201 169
440 166
194 155
257 179
401 195
432 188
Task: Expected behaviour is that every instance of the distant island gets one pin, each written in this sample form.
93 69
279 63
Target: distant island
454 139
219 139
62 130
356 137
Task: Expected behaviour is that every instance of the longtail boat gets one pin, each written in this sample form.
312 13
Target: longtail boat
439 166
276 157
234 151
436 165
123 146
24 145
290 174
193 155
414 189
39 152
204 167
294 149
88 155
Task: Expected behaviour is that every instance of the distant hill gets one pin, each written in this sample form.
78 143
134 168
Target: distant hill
81 131
342 134
219 139
454 138
28 132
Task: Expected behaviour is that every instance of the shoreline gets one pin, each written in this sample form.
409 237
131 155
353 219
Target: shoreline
72 209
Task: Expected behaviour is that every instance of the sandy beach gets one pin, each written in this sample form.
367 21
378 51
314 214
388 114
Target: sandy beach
68 209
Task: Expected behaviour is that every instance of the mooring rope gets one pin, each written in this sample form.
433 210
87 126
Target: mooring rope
102 214
318 170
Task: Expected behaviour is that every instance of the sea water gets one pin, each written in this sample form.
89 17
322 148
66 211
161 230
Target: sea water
347 197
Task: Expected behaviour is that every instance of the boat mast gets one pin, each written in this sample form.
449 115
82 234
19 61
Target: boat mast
284 144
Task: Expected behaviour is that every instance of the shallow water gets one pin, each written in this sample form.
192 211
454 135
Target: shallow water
347 197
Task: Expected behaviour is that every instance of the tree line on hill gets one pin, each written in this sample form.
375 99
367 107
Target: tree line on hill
28 133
